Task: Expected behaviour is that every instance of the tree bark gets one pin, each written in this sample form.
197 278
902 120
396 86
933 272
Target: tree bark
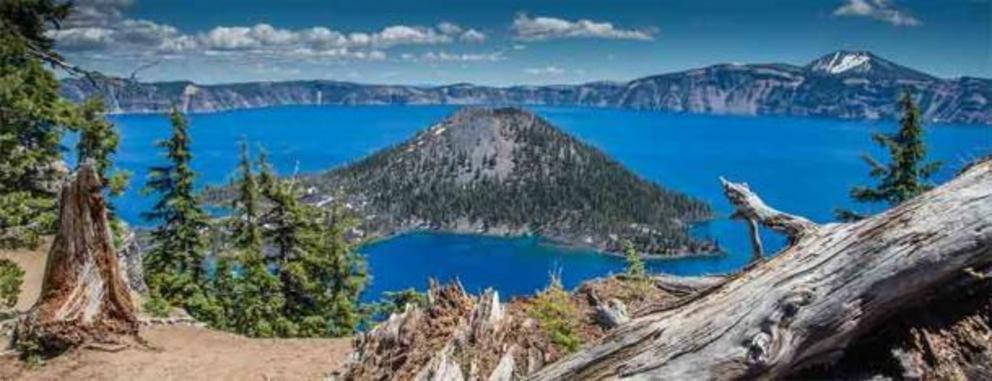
84 297
833 284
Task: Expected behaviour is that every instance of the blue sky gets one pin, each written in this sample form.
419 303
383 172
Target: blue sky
510 42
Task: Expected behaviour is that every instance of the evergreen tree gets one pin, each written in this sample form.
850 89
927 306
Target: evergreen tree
635 265
906 175
98 141
32 121
246 228
174 264
321 274
252 297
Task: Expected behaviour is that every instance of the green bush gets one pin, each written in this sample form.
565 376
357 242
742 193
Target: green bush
157 306
557 316
635 265
11 277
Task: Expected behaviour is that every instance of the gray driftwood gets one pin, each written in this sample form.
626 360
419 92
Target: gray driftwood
84 298
831 285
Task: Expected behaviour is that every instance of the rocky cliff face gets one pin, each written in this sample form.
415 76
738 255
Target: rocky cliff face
843 84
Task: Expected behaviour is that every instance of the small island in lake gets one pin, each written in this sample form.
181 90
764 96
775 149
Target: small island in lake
506 171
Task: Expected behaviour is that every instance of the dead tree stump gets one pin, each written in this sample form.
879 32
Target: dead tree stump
85 298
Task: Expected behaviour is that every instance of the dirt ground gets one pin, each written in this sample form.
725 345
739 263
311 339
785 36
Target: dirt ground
190 353
174 352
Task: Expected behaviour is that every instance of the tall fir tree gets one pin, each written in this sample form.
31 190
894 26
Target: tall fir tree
257 303
322 275
174 264
245 222
906 175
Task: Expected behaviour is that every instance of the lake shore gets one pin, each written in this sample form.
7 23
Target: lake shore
560 243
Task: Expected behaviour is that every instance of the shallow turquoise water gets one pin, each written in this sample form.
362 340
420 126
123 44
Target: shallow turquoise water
804 166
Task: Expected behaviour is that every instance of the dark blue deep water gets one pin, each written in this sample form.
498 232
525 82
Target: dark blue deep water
804 166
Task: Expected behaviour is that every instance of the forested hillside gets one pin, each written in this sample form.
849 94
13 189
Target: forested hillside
507 171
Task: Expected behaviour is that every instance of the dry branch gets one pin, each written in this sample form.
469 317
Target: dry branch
752 209
832 285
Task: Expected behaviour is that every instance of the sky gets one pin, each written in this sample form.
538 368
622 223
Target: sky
509 42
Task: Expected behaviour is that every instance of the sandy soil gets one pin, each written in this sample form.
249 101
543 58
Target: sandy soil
190 353
175 352
33 264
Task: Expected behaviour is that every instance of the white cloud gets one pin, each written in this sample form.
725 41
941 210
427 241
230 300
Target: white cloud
449 28
99 27
443 56
473 36
465 35
539 28
882 10
550 70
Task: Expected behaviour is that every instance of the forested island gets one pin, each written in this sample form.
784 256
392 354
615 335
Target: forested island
506 171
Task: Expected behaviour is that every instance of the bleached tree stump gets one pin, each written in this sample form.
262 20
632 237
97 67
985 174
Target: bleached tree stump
833 284
85 298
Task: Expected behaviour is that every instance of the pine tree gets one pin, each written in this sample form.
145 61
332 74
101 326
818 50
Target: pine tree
98 141
635 265
321 274
174 264
252 296
246 227
32 121
906 175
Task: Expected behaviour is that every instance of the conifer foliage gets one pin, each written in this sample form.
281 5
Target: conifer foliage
289 269
907 174
33 121
174 265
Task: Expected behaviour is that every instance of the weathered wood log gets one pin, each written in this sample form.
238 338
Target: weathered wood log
85 298
832 285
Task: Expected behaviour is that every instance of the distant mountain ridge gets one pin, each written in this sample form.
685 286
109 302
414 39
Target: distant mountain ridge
506 171
842 84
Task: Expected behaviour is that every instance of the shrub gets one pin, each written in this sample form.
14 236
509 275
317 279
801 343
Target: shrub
11 277
557 316
157 306
635 265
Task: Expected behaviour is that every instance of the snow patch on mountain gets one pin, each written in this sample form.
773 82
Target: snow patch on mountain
840 63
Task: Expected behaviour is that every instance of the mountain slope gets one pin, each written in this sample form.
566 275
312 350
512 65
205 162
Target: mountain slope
507 171
842 84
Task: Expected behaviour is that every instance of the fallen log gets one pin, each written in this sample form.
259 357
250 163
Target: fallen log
84 298
833 284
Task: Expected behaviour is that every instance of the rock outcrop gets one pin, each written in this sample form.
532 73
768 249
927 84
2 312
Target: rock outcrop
844 84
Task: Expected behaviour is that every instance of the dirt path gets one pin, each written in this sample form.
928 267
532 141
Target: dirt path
189 353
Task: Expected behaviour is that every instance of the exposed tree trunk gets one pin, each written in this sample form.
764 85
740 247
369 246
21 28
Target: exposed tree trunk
833 284
84 297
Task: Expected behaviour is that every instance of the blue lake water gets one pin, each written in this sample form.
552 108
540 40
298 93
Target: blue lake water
804 166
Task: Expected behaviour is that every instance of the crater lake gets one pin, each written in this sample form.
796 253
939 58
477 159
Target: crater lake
798 165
